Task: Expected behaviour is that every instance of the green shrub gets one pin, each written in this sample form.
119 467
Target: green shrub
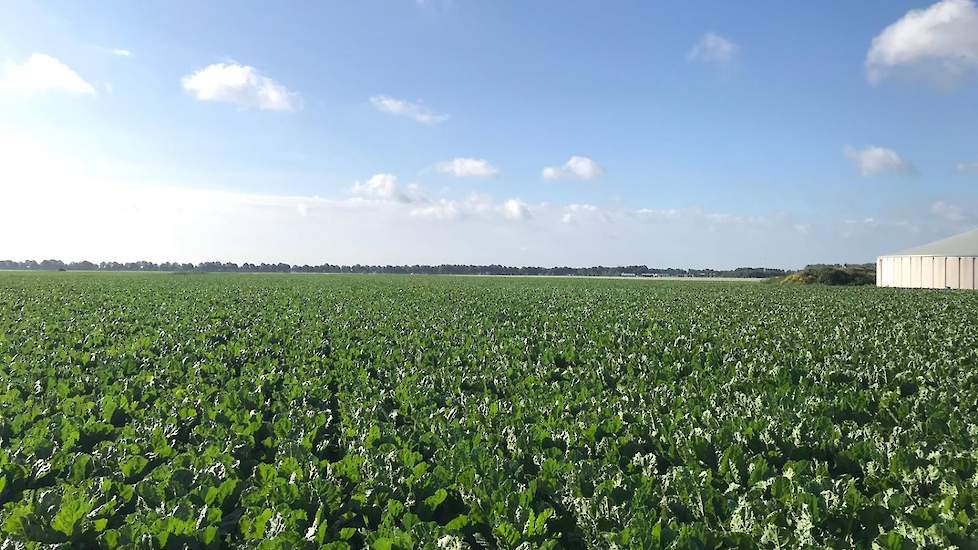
833 276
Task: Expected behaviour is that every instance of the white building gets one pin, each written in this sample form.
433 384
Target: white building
948 263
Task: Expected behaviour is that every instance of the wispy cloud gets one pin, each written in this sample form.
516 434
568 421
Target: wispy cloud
441 210
713 48
948 211
939 42
467 168
574 213
967 167
120 52
42 73
576 167
416 111
240 85
875 161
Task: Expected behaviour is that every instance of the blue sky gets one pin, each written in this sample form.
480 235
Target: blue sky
687 134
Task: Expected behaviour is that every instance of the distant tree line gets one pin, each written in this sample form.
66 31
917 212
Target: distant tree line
444 269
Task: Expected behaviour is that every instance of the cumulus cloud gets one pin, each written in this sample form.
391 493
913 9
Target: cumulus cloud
940 41
712 48
240 85
414 110
874 161
42 73
514 209
474 207
968 167
467 168
576 167
385 187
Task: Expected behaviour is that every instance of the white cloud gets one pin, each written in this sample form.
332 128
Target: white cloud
384 187
474 207
659 214
940 41
968 167
241 85
121 52
574 213
441 209
467 168
400 107
713 48
576 167
83 210
42 73
950 212
700 217
514 209
874 161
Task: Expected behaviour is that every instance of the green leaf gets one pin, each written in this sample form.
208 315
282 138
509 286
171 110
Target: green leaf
74 507
109 406
436 499
70 434
507 534
457 524
110 538
80 469
657 533
210 534
538 526
133 467
254 529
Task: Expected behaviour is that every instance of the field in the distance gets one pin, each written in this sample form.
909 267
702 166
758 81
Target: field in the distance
399 412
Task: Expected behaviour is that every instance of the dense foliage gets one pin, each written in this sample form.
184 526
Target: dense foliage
163 411
832 275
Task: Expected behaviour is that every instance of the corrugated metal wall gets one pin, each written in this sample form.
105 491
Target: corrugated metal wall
967 273
927 272
951 279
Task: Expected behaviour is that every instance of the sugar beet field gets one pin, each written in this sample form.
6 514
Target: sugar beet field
276 411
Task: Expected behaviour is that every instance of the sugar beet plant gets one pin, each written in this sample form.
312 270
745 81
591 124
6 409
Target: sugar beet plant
208 411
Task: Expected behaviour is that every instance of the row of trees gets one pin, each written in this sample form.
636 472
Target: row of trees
445 269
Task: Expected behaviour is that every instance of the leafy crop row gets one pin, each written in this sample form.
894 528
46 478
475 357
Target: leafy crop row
154 411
